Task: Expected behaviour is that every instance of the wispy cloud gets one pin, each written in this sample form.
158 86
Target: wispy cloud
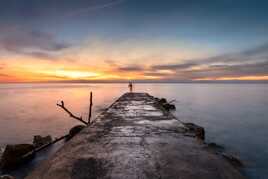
174 66
248 69
4 75
255 54
90 8
2 67
41 55
249 62
259 50
28 42
130 68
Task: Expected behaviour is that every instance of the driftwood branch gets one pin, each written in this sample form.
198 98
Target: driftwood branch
50 143
90 108
31 153
70 113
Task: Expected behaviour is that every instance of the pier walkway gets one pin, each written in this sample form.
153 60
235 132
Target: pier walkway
135 138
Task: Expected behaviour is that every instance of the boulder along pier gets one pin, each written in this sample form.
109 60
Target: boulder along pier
137 138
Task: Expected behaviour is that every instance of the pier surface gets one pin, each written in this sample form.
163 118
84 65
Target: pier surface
135 139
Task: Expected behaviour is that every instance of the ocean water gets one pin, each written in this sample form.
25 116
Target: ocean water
234 115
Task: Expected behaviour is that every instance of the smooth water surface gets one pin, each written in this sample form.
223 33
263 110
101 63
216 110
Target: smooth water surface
234 115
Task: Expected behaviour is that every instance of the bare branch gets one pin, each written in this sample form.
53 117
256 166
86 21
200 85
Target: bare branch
31 153
90 108
71 114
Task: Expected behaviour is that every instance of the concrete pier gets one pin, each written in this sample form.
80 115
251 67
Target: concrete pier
135 139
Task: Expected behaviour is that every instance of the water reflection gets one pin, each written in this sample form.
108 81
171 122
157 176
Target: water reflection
27 110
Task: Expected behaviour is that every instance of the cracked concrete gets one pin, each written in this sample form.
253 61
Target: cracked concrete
135 139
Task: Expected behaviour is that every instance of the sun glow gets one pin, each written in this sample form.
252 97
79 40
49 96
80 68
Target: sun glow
72 74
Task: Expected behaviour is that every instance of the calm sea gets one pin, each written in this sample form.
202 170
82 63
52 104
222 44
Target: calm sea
234 115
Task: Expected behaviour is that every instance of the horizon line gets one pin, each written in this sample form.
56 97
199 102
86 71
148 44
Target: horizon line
144 82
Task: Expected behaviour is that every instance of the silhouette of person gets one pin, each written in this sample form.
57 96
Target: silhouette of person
130 85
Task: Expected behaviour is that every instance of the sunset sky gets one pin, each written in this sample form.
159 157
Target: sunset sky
139 40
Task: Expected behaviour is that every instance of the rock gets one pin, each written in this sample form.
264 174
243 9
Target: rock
172 107
233 160
13 155
200 133
162 101
198 130
7 177
1 152
215 146
75 130
39 141
169 107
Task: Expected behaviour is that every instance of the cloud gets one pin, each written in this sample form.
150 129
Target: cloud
156 74
111 63
4 75
224 70
174 66
41 55
255 54
259 68
90 8
28 42
124 68
250 62
2 67
259 50
131 68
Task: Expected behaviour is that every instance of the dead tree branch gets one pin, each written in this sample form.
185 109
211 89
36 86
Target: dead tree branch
71 114
31 153
90 108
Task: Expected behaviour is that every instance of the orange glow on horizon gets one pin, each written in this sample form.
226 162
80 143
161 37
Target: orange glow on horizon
94 66
71 74
40 75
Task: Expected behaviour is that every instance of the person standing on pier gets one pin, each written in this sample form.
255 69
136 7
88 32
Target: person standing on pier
130 85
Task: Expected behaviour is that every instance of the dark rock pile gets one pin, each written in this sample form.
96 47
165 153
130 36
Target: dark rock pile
198 131
16 154
39 141
166 105
13 155
75 130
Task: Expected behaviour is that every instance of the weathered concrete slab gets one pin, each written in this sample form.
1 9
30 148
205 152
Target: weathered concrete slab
134 139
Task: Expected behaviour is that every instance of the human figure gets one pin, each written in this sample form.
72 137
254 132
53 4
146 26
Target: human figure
130 85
